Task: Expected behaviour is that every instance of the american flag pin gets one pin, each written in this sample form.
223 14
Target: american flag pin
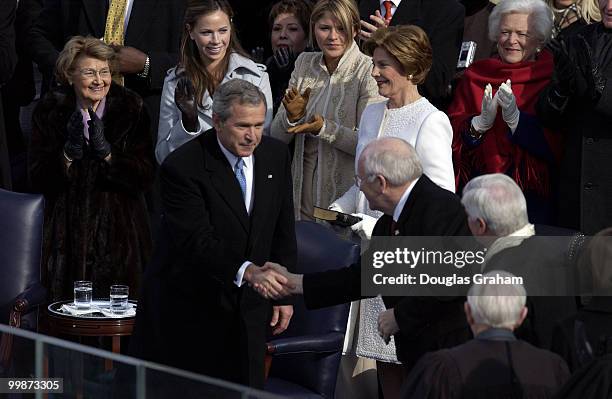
269 176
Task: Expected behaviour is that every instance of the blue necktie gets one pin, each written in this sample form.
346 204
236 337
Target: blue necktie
240 176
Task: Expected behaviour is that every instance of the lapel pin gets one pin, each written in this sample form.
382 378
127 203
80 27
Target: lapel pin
269 176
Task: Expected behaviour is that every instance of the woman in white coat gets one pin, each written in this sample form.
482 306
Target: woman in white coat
210 55
402 57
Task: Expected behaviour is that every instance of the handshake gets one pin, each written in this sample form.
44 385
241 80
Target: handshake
273 281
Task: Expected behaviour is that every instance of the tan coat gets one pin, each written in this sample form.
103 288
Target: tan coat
340 99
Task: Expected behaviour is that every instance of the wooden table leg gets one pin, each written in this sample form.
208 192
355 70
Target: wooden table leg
116 348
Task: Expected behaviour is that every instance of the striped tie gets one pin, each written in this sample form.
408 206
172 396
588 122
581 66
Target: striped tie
113 32
240 176
388 14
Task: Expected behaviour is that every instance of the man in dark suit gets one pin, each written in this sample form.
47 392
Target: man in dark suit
497 217
390 176
227 210
442 20
494 364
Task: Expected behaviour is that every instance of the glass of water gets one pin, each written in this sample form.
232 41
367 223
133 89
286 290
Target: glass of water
83 291
119 298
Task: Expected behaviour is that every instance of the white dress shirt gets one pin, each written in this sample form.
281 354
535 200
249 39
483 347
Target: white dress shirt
248 168
400 205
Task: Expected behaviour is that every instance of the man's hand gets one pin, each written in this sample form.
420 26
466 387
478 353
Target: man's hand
313 126
294 281
129 59
387 325
295 103
281 315
367 29
268 282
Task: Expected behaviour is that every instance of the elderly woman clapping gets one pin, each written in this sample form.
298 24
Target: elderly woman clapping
493 110
91 156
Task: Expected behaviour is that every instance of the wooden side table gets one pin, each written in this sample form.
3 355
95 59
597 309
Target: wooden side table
94 325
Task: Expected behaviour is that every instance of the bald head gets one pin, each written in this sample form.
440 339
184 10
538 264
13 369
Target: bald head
392 158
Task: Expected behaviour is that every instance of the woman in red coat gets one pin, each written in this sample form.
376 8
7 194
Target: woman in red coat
493 111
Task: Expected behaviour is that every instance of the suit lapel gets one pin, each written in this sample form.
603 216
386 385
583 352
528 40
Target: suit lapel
408 13
95 12
140 18
222 177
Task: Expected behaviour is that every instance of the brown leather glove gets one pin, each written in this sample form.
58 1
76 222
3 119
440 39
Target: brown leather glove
295 103
312 127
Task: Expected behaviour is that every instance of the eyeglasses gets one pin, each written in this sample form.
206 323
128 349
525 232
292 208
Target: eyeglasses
89 73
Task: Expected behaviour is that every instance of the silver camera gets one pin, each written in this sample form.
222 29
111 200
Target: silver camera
466 55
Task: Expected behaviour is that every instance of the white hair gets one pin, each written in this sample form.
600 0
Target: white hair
498 200
497 305
541 17
393 158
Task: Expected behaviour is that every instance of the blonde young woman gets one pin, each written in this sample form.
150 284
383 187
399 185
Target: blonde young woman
327 94
571 15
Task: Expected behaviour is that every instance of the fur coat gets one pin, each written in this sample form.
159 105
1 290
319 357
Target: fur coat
96 226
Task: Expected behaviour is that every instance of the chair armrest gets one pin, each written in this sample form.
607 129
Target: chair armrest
320 343
33 296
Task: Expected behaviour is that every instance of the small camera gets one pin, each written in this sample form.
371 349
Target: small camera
466 55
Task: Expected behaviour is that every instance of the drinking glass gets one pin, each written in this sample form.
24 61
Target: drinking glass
119 298
83 291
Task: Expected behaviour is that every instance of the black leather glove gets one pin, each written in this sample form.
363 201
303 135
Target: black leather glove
284 58
73 148
184 97
595 80
97 141
565 69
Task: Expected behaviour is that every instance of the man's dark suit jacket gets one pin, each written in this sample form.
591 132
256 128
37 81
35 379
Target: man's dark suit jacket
8 58
426 323
548 269
442 20
195 317
487 369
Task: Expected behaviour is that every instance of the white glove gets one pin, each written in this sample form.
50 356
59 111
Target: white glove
488 111
365 227
335 207
507 102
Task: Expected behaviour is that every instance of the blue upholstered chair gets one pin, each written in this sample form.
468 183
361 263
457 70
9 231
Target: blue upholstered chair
21 234
305 360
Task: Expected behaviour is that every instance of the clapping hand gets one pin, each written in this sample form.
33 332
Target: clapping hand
100 147
184 97
565 69
387 325
507 102
73 148
488 111
367 29
284 57
313 126
595 81
295 103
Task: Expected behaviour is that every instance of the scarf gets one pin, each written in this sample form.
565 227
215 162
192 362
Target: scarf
496 153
